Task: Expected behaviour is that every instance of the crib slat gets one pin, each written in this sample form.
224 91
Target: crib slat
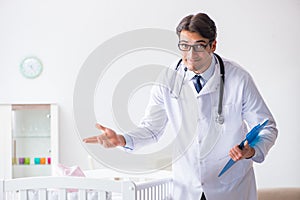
2 194
82 195
23 195
62 194
101 195
43 194
152 193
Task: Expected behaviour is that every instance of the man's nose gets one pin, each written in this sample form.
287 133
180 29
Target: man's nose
192 51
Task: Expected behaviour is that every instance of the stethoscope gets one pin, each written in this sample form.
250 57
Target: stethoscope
220 117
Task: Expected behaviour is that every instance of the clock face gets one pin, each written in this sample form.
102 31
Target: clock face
31 67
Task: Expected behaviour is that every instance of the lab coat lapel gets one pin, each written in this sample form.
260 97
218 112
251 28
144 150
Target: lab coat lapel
214 130
213 83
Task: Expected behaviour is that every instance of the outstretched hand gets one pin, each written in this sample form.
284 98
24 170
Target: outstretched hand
108 139
237 154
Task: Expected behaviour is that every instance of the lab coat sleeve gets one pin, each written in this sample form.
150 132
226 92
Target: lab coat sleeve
255 111
153 124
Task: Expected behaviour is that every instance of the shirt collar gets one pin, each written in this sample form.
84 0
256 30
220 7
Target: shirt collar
206 75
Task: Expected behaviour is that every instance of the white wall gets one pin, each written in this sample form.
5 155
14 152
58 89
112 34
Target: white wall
263 36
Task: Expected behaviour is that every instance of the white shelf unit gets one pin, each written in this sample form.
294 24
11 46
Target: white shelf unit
29 140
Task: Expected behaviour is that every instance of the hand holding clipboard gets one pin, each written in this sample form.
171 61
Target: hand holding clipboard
251 136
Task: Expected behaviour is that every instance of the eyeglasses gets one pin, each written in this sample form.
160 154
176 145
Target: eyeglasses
196 47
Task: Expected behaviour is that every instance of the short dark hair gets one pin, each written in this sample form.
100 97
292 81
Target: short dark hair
199 23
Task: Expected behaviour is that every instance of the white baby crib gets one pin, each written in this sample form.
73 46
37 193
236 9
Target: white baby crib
83 188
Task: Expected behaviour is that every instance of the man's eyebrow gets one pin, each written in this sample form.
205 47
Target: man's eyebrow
198 41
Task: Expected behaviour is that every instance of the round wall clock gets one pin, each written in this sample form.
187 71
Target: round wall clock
31 67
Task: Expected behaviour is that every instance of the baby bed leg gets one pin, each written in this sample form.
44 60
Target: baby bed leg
2 193
128 190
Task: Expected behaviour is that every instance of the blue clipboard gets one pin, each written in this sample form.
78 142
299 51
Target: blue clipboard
250 138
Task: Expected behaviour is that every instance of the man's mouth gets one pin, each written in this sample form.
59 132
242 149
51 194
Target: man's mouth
193 60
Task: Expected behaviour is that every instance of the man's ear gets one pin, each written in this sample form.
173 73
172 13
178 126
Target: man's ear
213 45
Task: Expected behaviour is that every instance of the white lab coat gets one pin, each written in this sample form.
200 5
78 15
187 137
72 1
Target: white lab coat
198 168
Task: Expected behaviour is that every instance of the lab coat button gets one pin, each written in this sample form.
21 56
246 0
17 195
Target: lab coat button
202 184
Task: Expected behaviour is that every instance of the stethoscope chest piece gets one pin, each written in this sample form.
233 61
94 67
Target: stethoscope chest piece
220 119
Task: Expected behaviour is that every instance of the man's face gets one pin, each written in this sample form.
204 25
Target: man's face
197 57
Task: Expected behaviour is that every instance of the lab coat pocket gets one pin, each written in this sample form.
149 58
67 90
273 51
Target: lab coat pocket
236 173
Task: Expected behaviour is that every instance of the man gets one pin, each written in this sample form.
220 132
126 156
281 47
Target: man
195 173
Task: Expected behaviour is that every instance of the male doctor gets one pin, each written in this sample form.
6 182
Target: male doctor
195 173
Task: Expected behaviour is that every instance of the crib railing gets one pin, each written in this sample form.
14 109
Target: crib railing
40 188
160 189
